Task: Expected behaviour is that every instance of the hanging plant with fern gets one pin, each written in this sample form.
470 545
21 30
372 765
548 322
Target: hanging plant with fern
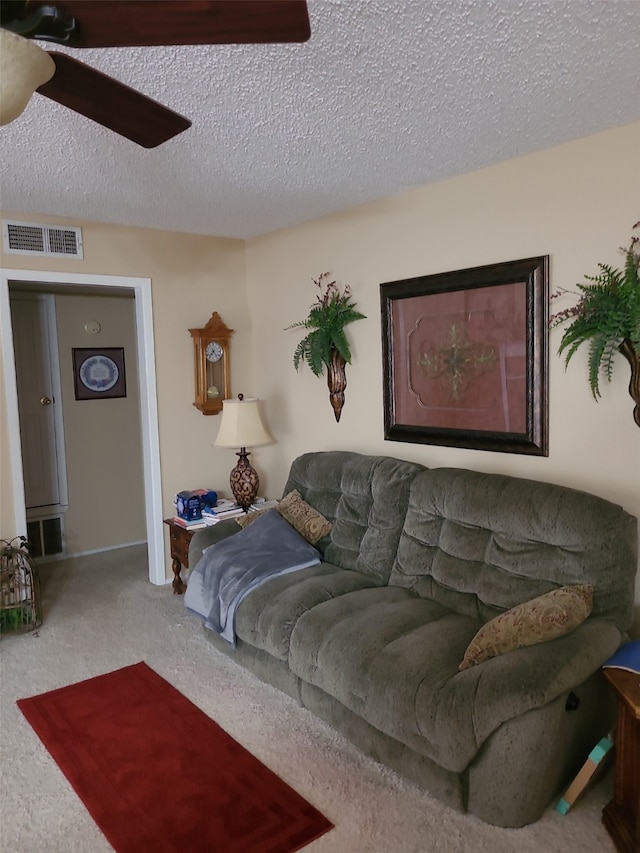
326 344
328 315
607 319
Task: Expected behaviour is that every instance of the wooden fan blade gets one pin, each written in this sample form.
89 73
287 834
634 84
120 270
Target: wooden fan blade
110 103
136 23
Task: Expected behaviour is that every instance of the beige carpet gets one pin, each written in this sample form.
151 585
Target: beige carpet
101 613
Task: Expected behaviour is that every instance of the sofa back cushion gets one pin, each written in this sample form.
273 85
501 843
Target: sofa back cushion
366 498
483 543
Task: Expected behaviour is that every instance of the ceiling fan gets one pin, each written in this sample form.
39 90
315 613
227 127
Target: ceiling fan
25 67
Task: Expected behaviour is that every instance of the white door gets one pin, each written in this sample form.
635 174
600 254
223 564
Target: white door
36 400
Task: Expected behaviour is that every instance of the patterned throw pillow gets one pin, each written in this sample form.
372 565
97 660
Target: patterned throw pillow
301 515
543 618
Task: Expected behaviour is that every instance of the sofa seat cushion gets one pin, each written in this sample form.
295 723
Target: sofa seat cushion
392 658
267 616
377 652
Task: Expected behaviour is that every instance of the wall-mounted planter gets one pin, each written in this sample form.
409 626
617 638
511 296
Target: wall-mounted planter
337 382
631 354
326 344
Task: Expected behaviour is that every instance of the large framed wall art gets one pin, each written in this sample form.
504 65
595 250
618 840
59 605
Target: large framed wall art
465 357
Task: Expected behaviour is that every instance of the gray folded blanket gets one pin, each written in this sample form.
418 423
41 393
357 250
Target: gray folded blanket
230 569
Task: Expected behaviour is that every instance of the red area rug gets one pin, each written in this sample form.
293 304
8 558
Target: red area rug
159 776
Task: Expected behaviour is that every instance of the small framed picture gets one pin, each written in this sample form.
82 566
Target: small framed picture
465 358
99 373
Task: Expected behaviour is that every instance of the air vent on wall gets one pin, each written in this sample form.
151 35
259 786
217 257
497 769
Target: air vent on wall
45 537
27 238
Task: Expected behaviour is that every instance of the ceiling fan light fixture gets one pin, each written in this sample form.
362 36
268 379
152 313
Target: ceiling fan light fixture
23 67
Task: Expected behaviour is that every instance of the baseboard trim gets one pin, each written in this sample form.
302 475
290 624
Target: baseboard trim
69 556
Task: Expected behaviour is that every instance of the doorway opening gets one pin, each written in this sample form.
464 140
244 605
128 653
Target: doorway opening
141 288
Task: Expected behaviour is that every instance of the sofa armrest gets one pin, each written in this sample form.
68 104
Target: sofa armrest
531 677
209 536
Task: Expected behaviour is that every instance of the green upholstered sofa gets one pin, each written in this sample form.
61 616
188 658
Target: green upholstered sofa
417 560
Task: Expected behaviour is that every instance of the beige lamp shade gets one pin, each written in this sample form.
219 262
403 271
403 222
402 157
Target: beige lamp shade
23 67
241 424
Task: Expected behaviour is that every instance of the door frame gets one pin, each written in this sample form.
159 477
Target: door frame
141 288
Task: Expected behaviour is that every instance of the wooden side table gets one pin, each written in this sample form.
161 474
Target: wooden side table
621 816
179 539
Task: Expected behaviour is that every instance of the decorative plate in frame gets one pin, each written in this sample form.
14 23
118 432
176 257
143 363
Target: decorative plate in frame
99 373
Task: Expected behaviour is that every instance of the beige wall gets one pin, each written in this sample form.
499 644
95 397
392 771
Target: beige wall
102 437
191 277
576 203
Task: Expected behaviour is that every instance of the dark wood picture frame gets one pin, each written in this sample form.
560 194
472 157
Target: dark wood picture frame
99 373
465 357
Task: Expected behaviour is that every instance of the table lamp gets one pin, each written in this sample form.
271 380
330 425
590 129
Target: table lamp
242 427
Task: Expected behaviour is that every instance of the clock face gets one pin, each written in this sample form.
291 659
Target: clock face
213 351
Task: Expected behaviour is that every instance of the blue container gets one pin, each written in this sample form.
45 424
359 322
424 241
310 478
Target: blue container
209 500
188 506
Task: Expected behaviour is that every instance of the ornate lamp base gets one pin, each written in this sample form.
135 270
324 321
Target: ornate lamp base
244 481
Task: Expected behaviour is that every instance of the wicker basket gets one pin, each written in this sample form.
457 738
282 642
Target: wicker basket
20 605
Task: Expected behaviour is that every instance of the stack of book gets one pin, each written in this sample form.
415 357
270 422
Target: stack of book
189 524
261 503
224 509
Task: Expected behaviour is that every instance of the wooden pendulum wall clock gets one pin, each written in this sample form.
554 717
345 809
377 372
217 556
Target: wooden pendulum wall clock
211 362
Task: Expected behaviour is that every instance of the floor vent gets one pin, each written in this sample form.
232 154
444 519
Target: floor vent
26 238
45 537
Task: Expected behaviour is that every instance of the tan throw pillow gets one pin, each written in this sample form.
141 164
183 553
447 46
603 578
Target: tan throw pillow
543 618
301 515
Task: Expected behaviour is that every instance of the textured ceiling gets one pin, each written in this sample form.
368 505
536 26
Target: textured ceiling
386 95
